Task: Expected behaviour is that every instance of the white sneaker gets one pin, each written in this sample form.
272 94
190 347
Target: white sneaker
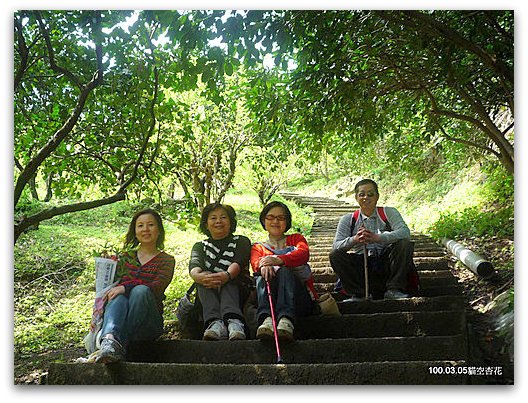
265 331
236 329
395 294
216 330
285 329
355 298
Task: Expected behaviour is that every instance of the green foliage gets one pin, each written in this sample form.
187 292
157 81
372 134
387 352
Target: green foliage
473 221
490 210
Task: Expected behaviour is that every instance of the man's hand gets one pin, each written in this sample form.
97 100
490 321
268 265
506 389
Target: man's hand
364 236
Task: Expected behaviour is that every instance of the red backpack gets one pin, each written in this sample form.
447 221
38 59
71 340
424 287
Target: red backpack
381 214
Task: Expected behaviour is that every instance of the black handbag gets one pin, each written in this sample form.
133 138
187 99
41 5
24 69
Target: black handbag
188 311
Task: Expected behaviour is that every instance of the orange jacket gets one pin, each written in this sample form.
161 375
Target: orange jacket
298 257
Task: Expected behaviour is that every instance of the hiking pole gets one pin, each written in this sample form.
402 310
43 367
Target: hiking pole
365 266
279 359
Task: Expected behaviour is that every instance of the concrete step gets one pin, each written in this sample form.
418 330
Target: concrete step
431 263
422 304
364 373
324 351
384 324
439 262
426 281
318 252
430 291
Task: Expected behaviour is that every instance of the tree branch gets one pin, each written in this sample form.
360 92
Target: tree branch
51 53
31 168
424 21
27 222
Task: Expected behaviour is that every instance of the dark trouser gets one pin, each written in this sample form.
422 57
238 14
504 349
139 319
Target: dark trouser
289 295
223 303
387 272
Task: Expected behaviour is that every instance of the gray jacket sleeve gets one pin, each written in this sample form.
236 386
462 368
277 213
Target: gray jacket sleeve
343 239
399 229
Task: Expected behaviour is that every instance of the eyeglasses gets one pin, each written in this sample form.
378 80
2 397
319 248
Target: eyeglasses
368 194
271 217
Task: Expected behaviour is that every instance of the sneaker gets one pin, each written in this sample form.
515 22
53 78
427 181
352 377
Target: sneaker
216 330
111 351
265 331
355 298
285 329
236 329
395 294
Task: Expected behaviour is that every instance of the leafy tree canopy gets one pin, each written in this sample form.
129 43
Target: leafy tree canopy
95 117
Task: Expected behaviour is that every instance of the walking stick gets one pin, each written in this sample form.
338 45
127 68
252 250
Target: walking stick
365 265
279 359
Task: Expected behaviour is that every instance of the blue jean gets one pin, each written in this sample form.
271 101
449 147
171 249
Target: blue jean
133 318
289 295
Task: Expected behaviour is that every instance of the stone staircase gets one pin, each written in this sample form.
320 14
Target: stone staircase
420 340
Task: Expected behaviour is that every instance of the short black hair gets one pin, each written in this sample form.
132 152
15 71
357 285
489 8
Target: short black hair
271 205
366 182
131 239
213 206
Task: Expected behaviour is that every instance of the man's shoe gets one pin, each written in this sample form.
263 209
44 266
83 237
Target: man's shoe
355 298
395 294
216 330
265 331
236 329
111 351
285 329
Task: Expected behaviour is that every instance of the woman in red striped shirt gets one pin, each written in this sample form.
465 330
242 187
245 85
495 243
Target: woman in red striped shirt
134 307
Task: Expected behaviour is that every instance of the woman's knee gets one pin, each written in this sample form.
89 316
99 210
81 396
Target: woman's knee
140 293
285 274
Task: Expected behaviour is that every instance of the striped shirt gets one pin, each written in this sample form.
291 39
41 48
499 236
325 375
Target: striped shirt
156 274
232 249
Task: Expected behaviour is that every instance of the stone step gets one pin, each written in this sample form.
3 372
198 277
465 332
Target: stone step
422 304
323 270
328 240
384 324
429 291
431 263
324 251
420 266
324 351
363 373
425 281
319 257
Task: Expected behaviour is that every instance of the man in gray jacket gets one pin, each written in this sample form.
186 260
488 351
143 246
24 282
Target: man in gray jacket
381 233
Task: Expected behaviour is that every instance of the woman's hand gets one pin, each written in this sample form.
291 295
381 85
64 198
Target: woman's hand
114 292
270 260
267 272
211 280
